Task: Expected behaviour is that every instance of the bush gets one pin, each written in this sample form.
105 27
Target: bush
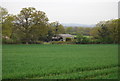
47 43
72 42
95 41
10 41
68 39
57 42
7 41
63 42
85 40
82 40
39 42
79 38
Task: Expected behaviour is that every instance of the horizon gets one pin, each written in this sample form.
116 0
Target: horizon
64 11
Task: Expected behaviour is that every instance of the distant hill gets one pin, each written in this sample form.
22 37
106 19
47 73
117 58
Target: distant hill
77 25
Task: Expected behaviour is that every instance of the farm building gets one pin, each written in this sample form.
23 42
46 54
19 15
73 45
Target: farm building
62 37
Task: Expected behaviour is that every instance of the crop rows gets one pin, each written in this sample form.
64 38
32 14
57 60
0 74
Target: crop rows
84 74
59 61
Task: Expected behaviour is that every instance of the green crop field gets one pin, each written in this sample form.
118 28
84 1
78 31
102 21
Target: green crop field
60 61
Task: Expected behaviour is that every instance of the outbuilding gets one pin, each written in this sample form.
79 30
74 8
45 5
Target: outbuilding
62 37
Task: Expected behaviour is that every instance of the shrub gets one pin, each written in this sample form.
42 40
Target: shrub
57 42
68 39
63 42
85 40
39 42
47 43
10 41
7 41
95 41
79 39
70 42
82 40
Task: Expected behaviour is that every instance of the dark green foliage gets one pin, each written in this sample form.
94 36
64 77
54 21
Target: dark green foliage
31 25
79 38
58 42
80 30
57 28
39 42
103 34
106 32
82 40
85 40
68 39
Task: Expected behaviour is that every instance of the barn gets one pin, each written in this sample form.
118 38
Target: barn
62 37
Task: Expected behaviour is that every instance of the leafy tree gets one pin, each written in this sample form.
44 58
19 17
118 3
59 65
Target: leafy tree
3 14
107 31
79 38
104 34
7 26
94 32
86 31
50 34
112 26
82 40
57 28
7 23
69 30
32 23
80 30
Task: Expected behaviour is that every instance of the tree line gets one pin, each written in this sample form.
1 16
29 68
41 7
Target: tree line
32 26
29 26
106 32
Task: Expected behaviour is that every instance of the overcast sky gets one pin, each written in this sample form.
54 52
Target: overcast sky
68 11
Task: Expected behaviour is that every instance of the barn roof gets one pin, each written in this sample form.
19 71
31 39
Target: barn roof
65 35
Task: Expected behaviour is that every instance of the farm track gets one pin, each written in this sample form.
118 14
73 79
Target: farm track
79 70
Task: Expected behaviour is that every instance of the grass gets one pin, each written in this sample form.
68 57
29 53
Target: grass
60 61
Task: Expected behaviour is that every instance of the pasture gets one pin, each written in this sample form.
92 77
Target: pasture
60 61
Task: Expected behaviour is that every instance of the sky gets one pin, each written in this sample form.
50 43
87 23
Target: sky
68 11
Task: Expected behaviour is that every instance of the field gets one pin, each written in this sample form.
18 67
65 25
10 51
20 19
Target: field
60 61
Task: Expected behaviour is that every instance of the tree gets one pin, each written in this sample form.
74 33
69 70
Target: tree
32 23
79 38
104 34
57 28
69 30
94 32
87 31
51 33
82 39
106 31
3 14
7 26
6 22
112 26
